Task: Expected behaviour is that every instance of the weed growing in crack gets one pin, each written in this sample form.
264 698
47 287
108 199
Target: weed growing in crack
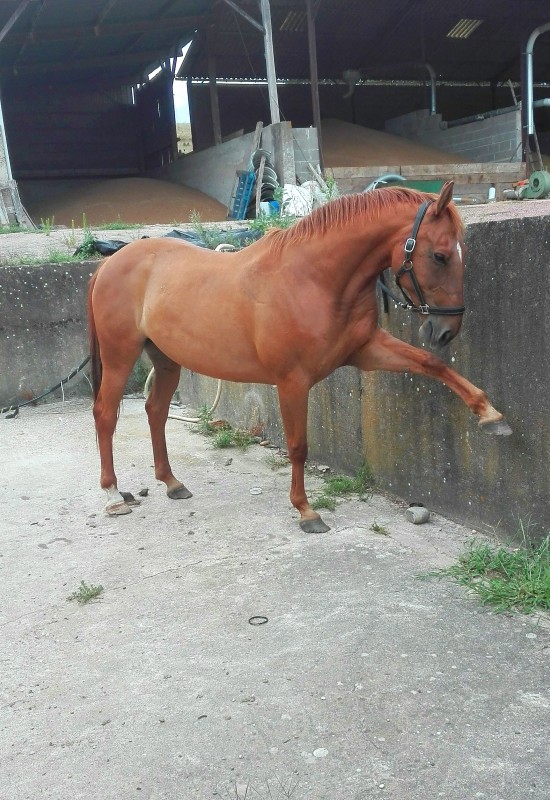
504 578
343 486
85 593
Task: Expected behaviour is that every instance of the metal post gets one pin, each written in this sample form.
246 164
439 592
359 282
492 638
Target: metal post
214 103
270 62
4 144
314 80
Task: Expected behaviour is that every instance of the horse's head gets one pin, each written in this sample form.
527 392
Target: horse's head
428 265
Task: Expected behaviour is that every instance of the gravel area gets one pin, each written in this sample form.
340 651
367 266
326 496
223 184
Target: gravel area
505 209
16 246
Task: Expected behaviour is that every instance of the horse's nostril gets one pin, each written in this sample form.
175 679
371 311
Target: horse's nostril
445 337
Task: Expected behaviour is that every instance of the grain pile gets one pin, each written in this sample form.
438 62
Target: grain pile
348 145
147 201
133 200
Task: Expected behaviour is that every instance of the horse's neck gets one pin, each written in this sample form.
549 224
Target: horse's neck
360 249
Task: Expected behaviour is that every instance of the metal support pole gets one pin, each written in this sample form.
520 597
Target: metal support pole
214 103
4 144
270 62
314 80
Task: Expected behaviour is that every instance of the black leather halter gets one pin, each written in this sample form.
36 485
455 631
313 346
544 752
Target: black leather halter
407 268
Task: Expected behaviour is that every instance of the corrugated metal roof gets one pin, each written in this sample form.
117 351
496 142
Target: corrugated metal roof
122 38
381 39
112 38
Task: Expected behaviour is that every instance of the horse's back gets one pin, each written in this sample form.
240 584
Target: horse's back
191 302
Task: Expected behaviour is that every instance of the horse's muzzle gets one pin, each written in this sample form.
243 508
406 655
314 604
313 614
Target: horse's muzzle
437 332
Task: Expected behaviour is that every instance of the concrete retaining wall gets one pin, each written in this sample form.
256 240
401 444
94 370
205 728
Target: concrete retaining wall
42 326
420 441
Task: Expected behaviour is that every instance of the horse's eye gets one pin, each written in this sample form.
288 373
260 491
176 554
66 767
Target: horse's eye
440 258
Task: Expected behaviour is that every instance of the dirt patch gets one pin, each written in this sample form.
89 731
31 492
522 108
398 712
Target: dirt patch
134 200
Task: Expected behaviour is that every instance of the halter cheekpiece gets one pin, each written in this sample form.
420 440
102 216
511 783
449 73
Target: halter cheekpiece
407 268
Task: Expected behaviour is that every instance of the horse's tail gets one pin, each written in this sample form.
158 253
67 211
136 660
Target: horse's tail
96 367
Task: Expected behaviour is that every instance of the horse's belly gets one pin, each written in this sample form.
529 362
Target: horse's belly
211 351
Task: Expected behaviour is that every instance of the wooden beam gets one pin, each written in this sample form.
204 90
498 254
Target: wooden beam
113 29
105 11
156 24
97 62
250 19
14 17
30 38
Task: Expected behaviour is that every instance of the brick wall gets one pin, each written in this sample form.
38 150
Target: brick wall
306 151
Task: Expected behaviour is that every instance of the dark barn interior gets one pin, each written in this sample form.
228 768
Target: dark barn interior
78 101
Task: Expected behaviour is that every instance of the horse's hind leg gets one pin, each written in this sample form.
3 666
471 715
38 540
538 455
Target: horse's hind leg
165 383
106 407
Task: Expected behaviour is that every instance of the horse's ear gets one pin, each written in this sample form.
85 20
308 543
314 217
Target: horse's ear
445 197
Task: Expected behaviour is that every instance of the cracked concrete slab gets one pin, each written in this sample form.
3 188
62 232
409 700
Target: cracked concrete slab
366 682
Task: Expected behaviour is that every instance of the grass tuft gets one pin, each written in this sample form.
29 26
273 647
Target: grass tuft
223 438
377 528
276 461
204 425
15 228
222 434
324 501
344 486
505 579
85 593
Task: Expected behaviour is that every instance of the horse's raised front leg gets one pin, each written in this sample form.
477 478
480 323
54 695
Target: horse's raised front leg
157 405
385 352
293 400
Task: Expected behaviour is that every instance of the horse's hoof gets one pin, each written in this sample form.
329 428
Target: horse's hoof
500 428
314 526
118 509
179 493
129 498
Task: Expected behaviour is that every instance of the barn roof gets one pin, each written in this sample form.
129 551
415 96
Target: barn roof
121 39
116 39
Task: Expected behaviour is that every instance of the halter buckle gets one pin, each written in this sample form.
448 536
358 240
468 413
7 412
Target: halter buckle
424 309
410 244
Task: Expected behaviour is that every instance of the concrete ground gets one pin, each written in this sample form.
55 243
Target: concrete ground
365 683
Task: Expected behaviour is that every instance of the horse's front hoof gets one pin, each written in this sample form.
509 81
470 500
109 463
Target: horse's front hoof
180 492
314 525
499 428
118 509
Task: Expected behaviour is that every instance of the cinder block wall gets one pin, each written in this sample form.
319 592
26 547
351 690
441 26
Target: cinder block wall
494 138
213 171
306 151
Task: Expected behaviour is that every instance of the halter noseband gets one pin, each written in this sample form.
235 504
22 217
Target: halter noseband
407 268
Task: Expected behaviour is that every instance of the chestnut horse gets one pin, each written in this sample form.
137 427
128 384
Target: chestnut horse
287 310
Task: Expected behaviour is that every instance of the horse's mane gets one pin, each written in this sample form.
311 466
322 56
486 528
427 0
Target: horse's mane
339 213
